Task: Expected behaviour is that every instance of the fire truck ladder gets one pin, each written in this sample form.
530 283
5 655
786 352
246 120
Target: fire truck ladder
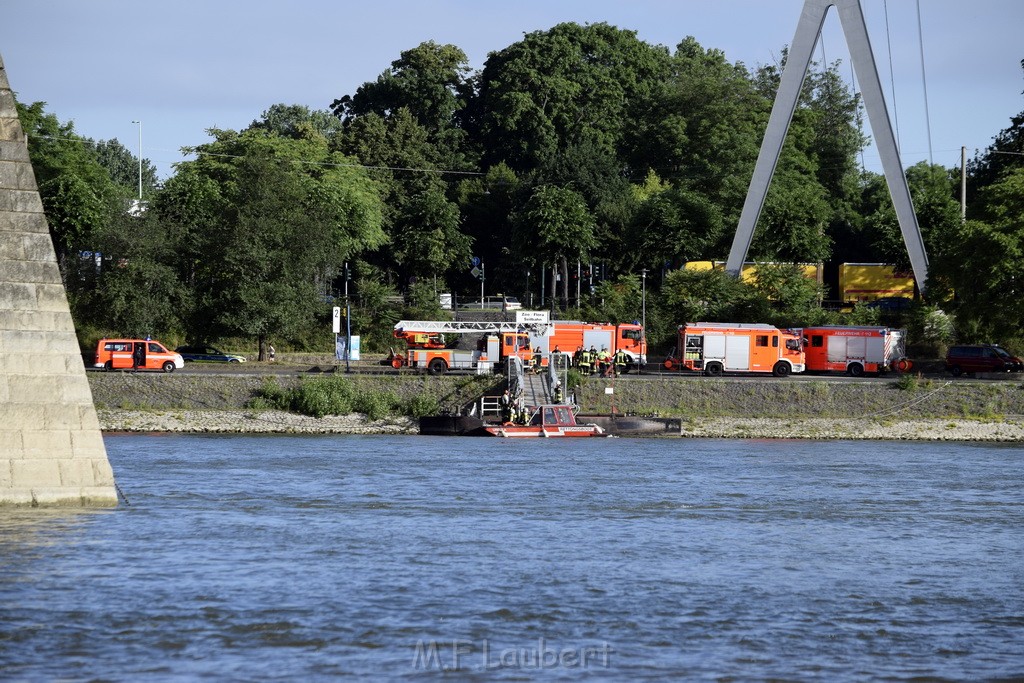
465 327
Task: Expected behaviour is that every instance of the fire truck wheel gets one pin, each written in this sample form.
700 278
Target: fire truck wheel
781 369
437 367
855 370
109 366
168 366
669 364
713 369
396 362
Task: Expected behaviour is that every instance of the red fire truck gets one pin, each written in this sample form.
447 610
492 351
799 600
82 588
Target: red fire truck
427 347
716 348
569 335
855 350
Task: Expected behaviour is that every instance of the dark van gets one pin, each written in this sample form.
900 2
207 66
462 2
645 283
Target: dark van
980 358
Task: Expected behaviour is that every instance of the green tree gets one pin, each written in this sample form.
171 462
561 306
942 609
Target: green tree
297 121
137 291
569 85
616 301
938 216
988 271
487 204
795 298
263 220
78 194
431 83
794 220
1005 154
675 225
701 128
711 296
376 312
556 226
123 167
432 244
428 80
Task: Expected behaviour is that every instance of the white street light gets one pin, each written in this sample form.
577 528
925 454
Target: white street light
643 301
140 159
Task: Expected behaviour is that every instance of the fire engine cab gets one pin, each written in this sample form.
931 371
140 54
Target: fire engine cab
716 348
569 335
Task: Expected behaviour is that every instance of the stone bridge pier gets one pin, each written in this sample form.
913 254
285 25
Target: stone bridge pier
51 449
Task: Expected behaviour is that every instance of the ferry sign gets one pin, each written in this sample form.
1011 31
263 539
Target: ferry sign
532 317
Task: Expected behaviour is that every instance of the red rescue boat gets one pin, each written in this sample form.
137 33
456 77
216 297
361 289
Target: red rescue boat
555 420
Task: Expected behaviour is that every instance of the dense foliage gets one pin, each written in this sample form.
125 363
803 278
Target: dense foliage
579 161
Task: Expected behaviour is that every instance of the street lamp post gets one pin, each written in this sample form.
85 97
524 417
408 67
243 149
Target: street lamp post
140 159
643 300
643 320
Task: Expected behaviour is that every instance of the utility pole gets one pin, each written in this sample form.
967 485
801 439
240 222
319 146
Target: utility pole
963 184
140 161
578 272
348 323
643 301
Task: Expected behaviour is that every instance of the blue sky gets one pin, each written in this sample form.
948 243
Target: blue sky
182 67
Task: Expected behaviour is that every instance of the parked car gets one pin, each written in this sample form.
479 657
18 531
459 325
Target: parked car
505 303
208 354
891 304
136 354
980 358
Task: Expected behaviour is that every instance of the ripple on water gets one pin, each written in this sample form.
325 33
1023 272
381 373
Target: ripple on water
321 557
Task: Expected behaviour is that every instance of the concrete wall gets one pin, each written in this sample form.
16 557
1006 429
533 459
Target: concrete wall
51 449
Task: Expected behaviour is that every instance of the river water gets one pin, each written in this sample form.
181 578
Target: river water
383 558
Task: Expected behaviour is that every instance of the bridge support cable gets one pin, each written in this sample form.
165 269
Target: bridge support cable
801 52
924 83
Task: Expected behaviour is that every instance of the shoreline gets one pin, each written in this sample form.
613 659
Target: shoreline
1010 430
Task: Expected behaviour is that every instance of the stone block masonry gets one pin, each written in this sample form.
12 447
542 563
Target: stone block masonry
51 449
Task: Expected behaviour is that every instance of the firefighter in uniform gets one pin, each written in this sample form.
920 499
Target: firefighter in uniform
620 362
604 362
505 406
536 360
558 392
577 356
585 361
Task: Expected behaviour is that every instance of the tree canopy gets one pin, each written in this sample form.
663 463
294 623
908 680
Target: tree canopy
579 144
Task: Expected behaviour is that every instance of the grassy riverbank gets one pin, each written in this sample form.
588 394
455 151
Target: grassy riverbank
906 397
905 407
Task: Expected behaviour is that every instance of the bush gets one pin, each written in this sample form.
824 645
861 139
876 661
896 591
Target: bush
271 396
420 405
375 405
324 396
911 382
